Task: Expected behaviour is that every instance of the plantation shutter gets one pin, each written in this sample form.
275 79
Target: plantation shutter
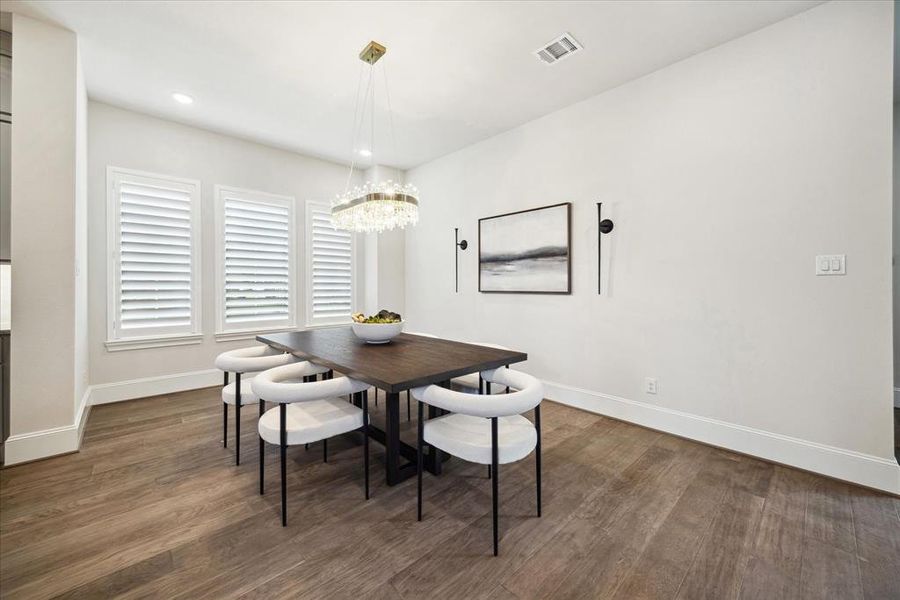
257 261
331 260
155 266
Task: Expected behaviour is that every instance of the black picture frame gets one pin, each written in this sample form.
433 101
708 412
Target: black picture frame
568 253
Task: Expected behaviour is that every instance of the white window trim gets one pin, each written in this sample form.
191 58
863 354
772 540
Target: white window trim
354 269
115 342
224 333
159 341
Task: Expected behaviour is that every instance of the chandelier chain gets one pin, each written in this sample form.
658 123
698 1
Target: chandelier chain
355 129
387 97
372 123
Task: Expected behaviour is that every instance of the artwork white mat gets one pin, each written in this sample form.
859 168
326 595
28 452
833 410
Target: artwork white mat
525 252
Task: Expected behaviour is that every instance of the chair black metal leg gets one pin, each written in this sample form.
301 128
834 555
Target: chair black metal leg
376 397
495 480
408 416
306 446
224 424
365 403
325 451
237 419
480 384
489 471
537 455
262 451
225 414
283 418
420 458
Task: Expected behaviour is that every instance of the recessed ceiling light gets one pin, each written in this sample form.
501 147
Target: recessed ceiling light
365 152
182 98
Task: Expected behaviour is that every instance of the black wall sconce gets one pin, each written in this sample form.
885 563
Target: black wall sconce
460 245
603 226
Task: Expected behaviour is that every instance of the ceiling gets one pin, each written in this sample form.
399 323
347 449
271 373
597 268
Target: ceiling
285 73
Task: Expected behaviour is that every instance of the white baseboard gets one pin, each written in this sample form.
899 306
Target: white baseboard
847 465
81 415
104 393
863 469
35 445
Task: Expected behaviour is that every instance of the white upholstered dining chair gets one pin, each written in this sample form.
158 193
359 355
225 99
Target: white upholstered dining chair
488 430
308 412
241 362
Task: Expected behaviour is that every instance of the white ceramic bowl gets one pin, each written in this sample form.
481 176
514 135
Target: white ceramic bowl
377 333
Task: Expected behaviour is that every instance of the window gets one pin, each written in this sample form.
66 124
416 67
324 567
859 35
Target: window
256 272
154 260
330 268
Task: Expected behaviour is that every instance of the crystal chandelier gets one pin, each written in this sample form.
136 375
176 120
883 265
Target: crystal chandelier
375 206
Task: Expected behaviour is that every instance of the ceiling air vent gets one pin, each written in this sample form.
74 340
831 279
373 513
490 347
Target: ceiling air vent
558 49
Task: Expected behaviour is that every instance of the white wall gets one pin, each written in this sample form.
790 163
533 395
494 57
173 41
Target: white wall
896 252
46 157
726 174
127 139
81 350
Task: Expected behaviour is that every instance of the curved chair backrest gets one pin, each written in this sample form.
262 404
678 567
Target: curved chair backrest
270 385
530 393
253 359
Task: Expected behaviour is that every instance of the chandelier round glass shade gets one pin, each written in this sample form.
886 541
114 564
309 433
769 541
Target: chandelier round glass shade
375 206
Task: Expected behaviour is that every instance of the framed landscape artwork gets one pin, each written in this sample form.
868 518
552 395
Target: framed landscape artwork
526 252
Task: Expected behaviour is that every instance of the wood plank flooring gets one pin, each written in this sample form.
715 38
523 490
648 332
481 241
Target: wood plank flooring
153 507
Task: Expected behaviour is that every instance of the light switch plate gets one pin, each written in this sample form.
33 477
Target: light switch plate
831 264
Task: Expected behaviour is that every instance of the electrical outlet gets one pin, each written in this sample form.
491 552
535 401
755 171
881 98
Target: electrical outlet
831 264
650 385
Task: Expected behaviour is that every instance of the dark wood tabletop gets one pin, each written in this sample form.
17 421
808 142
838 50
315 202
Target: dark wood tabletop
406 362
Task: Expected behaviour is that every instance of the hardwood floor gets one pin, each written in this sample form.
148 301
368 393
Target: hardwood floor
153 506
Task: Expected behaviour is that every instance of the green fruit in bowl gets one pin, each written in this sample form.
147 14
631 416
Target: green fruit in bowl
382 316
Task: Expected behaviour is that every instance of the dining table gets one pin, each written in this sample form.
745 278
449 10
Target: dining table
407 361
